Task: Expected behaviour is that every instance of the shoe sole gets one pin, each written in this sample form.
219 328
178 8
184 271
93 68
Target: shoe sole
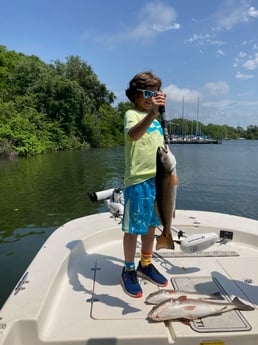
138 295
142 275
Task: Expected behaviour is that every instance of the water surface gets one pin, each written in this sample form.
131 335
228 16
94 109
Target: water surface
39 194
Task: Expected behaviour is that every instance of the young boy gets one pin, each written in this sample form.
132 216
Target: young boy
143 135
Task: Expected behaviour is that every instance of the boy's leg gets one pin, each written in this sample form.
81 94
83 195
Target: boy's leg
129 243
129 278
145 268
148 240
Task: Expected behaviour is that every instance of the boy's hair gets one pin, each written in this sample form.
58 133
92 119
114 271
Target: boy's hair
142 80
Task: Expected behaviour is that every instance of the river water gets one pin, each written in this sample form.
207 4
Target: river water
38 194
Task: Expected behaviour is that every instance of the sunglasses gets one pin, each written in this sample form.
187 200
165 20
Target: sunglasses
148 93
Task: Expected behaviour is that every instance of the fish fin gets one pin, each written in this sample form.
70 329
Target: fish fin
173 180
171 292
165 241
182 298
241 305
185 322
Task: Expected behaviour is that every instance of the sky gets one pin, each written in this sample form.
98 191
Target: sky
204 51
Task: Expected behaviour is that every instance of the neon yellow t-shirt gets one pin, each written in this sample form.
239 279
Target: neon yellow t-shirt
140 155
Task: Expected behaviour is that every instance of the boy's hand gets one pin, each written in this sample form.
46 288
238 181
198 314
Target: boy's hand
157 101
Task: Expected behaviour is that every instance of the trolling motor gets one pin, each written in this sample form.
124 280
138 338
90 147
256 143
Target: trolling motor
195 242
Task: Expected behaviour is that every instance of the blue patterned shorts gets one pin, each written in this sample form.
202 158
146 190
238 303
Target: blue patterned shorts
139 211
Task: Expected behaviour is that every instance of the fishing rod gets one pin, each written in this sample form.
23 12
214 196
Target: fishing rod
164 122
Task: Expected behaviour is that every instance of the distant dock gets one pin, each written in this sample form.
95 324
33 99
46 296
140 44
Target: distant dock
194 140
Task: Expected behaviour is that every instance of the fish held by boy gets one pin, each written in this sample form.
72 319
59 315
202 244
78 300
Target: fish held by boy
166 188
191 309
160 296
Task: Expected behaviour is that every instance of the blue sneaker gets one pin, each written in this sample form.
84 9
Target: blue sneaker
151 273
130 283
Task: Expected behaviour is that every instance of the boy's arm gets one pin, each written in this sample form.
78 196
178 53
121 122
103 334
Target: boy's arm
139 129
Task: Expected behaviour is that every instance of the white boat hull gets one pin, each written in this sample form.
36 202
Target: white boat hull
71 293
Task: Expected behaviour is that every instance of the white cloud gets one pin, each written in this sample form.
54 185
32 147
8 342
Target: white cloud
251 64
220 52
240 75
239 58
154 18
176 94
233 13
204 39
161 28
217 88
242 54
253 12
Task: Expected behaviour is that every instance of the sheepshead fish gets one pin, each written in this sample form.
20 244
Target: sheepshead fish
166 187
163 295
191 309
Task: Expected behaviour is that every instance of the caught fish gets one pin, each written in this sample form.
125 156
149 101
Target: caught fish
165 294
166 187
191 309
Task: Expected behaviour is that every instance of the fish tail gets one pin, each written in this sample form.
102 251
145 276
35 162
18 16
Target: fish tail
241 305
165 240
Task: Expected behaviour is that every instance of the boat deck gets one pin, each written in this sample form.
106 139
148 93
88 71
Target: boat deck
71 292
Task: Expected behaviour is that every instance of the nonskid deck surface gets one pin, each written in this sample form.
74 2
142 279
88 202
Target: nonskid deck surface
228 267
86 301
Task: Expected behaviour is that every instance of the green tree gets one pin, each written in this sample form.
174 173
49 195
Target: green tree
63 106
252 132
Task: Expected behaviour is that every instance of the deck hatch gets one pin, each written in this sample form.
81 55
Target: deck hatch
227 322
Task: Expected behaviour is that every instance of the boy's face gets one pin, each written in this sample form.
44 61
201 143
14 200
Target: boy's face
143 99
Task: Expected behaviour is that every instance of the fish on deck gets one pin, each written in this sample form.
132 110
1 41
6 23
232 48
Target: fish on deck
166 188
191 309
165 294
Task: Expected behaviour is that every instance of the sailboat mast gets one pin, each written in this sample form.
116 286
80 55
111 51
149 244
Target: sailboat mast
183 111
197 122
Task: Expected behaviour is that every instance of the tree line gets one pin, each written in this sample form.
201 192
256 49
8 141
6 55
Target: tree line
185 127
63 106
